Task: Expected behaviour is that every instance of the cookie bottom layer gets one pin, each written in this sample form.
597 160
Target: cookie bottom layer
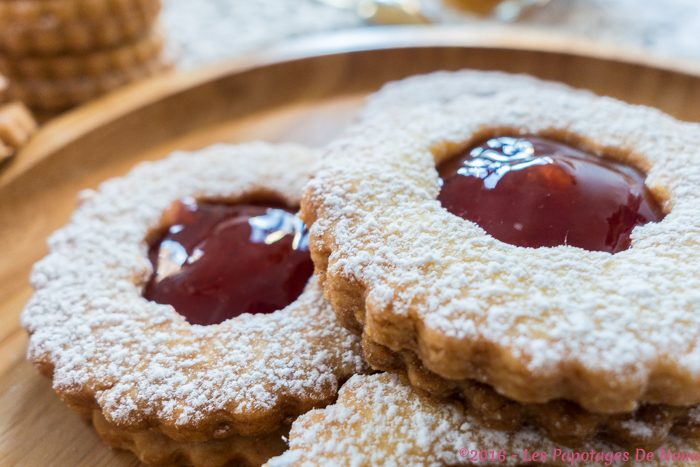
562 421
156 449
379 421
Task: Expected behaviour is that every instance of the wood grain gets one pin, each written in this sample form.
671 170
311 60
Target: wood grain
305 92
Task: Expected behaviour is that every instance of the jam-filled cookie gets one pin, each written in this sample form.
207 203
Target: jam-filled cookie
179 301
379 421
527 246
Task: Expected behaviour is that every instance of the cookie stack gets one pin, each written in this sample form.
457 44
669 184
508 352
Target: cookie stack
559 326
532 352
16 124
60 53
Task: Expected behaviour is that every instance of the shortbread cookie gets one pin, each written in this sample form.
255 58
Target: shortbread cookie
156 449
51 27
142 364
608 332
562 421
57 95
378 421
98 63
17 125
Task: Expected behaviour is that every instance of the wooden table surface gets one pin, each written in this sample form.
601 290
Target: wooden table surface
305 92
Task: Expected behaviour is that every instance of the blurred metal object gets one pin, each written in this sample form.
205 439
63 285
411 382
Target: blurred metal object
383 12
344 4
509 10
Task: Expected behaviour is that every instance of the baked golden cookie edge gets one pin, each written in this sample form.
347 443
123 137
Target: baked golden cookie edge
156 449
561 421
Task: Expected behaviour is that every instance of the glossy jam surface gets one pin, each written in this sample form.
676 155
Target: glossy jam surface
218 261
535 192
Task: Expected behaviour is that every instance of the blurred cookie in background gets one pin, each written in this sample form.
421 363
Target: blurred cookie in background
61 53
50 85
17 125
96 63
3 88
57 27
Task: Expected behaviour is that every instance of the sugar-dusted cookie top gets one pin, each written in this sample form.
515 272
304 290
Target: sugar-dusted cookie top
604 330
141 363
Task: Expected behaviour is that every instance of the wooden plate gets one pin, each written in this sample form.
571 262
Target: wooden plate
305 92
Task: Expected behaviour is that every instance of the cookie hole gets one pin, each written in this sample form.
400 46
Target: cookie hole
546 190
215 260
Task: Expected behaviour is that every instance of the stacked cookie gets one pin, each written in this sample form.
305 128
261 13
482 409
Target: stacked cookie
16 124
60 53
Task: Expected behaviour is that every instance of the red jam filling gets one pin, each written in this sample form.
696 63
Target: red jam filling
535 192
218 261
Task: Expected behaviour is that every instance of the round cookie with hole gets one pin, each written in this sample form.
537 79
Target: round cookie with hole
178 307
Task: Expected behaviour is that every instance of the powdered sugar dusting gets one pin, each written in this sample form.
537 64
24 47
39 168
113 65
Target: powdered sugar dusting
694 415
642 430
378 421
140 362
441 87
553 322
